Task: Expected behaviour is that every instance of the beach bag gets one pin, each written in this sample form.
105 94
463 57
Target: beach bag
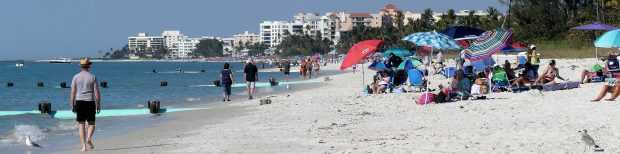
441 97
423 100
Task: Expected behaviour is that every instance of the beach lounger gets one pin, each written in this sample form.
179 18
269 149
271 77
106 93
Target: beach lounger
416 78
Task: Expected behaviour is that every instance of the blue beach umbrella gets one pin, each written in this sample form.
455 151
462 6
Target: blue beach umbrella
433 39
377 66
610 39
509 48
458 32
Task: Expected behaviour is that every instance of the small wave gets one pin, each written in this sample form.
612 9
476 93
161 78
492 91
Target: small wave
192 99
21 130
66 125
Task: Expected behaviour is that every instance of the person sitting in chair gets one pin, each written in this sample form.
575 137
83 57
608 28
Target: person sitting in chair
525 76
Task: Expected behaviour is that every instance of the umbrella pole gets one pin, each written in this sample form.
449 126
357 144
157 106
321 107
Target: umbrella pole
363 76
429 75
596 48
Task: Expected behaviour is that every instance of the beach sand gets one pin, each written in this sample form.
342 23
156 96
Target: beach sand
338 118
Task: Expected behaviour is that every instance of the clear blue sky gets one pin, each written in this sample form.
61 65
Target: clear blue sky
34 29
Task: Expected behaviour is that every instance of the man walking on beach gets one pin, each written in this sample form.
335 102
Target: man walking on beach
286 68
85 102
250 73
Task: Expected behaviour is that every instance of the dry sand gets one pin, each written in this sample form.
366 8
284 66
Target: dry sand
338 118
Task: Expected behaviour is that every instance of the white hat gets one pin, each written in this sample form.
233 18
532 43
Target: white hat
532 46
249 60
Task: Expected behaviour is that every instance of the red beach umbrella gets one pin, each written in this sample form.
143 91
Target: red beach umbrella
359 51
519 46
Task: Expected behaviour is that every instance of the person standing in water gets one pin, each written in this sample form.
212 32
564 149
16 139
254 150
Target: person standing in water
250 73
227 81
286 68
85 102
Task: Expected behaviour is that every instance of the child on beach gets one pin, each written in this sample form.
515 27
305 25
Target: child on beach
302 69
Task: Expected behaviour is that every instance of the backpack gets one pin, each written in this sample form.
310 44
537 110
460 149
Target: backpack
612 64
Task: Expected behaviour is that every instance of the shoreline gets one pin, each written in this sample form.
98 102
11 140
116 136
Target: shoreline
338 118
217 112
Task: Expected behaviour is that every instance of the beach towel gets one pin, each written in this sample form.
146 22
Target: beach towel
560 86
422 100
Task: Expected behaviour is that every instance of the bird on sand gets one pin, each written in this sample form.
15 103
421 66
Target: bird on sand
29 143
588 141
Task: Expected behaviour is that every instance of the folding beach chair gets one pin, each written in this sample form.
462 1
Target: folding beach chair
500 79
449 72
416 78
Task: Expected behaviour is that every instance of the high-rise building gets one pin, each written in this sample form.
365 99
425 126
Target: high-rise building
273 32
144 43
326 25
179 45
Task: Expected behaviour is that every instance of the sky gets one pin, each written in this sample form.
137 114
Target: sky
43 29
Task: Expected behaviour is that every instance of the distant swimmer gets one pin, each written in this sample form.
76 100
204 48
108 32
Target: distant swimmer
203 70
154 71
179 70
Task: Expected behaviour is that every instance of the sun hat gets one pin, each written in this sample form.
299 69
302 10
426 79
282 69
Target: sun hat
85 62
249 60
532 46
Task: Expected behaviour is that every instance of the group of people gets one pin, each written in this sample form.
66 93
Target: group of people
308 67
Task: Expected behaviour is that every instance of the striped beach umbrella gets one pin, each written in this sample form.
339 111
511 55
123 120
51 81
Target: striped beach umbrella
433 39
400 52
487 44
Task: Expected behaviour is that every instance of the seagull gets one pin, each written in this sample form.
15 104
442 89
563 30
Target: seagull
588 141
29 143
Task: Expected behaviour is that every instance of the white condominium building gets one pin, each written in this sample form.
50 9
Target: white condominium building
273 32
326 25
144 43
178 45
228 48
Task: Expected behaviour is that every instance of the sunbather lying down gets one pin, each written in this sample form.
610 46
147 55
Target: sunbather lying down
587 75
610 87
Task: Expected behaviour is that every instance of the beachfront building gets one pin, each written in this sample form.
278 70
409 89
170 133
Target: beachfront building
327 25
228 46
462 13
143 43
273 32
179 45
243 39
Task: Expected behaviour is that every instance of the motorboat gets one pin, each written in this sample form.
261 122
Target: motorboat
19 63
60 60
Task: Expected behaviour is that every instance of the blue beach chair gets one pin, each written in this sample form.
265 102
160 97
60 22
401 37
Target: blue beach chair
416 78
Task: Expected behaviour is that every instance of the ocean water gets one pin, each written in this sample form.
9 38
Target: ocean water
131 85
